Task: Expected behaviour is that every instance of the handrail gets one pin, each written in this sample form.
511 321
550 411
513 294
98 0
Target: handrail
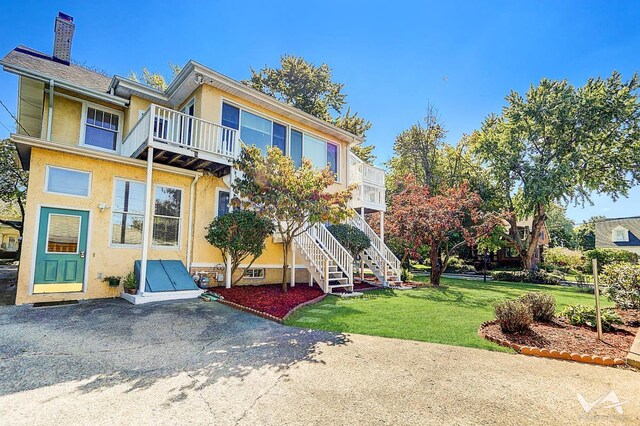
336 251
317 256
182 130
137 135
377 244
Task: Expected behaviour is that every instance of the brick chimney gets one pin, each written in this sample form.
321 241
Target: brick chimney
63 30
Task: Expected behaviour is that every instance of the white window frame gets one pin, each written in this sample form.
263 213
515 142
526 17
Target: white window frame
250 273
259 114
625 234
217 201
326 141
83 124
46 181
180 218
113 203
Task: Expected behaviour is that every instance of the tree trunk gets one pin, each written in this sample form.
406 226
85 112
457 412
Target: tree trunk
531 260
436 266
285 264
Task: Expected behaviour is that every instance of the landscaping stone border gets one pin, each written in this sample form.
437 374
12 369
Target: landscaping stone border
551 353
269 316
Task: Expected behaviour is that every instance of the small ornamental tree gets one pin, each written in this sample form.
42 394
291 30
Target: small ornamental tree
13 189
351 238
443 222
238 235
293 198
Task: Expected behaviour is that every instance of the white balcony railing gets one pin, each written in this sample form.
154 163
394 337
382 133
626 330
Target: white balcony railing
159 125
370 181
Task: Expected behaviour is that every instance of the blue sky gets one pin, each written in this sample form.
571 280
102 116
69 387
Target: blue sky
394 57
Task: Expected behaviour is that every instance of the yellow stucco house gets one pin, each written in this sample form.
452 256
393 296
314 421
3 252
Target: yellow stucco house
123 173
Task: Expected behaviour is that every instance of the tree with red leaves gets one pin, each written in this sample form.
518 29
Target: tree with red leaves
443 222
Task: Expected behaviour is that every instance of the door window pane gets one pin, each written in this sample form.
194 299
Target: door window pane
280 137
66 181
230 116
296 147
316 151
256 131
63 233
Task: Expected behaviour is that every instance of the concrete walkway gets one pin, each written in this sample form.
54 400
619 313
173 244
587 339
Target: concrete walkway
192 362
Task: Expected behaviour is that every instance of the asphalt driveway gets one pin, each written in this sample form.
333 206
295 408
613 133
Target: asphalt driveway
192 362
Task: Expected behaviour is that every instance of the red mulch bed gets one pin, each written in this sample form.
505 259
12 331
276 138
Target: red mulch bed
562 336
269 298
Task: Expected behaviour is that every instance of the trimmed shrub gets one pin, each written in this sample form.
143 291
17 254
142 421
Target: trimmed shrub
539 277
623 280
563 258
351 238
586 315
406 275
607 256
513 316
457 265
542 305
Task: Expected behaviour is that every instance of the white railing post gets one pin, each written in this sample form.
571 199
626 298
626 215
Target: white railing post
293 264
326 275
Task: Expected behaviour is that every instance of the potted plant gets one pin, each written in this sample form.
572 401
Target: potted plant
130 283
113 281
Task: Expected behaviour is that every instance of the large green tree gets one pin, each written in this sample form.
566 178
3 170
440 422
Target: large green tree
586 233
558 144
311 89
13 188
560 227
293 198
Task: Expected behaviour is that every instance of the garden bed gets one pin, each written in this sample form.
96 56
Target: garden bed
269 299
559 336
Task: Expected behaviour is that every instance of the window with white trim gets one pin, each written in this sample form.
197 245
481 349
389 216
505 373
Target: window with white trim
167 216
127 216
620 234
68 181
101 128
254 273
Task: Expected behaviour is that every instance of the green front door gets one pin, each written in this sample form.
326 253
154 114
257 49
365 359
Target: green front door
60 256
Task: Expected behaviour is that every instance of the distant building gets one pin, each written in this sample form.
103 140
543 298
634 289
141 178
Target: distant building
621 233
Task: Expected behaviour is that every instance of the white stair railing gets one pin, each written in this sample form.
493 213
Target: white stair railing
317 258
379 252
334 249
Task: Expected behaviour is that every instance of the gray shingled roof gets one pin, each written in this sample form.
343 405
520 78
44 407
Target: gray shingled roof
41 63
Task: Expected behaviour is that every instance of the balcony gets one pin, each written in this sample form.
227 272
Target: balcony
182 140
370 181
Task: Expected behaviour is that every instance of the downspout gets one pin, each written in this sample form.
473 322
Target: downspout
192 197
50 116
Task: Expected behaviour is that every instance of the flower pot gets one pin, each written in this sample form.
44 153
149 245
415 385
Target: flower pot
130 290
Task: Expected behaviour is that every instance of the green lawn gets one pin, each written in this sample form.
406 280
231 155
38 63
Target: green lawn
450 315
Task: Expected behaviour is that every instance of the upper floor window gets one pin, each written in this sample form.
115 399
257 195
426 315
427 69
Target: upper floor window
620 234
320 153
101 128
68 181
261 132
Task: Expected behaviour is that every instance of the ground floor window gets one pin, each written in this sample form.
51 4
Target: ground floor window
166 216
254 273
223 203
128 213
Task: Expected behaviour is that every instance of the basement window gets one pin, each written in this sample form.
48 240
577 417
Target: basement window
254 273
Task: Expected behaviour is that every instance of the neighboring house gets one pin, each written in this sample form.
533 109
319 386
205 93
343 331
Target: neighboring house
121 172
508 255
9 238
621 233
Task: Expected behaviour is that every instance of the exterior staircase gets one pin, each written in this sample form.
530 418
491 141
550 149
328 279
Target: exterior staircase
384 265
329 264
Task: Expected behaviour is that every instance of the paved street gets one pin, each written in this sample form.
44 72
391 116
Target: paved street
108 362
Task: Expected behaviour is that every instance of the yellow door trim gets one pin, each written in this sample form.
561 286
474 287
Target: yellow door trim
57 288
